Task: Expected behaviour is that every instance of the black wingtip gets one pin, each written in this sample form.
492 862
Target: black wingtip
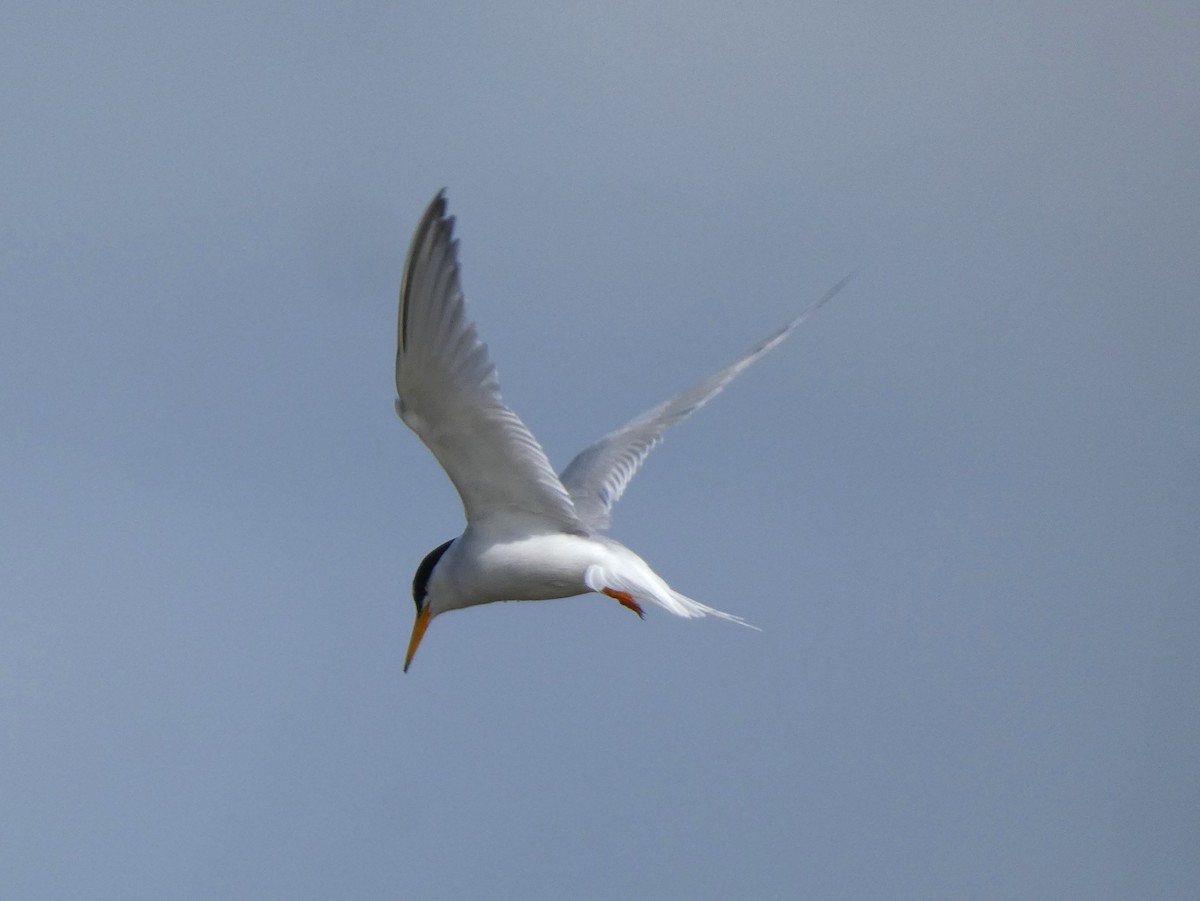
434 214
833 292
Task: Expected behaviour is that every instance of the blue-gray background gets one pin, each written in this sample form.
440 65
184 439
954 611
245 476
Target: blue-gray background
962 502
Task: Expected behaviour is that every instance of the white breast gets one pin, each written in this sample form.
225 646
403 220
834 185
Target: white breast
498 564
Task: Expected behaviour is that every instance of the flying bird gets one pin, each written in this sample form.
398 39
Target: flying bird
531 534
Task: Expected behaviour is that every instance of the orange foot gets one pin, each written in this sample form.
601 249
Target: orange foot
626 600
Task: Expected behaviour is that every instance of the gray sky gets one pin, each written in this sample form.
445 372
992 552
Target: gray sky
962 502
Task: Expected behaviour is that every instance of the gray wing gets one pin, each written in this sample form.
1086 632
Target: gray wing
598 476
448 393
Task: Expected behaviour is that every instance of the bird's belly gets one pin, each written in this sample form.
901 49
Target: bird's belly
536 568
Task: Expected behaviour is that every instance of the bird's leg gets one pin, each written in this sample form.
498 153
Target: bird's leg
626 600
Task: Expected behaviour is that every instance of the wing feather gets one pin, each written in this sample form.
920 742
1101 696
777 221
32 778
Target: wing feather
598 475
448 393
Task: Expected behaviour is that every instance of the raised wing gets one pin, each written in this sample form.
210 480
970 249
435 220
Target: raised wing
597 477
448 393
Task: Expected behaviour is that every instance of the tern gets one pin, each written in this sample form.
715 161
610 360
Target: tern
531 534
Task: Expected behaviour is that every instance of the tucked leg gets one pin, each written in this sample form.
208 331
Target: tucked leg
626 600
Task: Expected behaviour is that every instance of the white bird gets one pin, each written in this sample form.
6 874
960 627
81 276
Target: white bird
531 535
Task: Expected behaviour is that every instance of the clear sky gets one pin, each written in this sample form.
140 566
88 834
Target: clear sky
963 503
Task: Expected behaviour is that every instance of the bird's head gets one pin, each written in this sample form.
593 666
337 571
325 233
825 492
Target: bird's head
420 592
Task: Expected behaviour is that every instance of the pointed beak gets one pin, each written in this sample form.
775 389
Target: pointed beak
418 633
